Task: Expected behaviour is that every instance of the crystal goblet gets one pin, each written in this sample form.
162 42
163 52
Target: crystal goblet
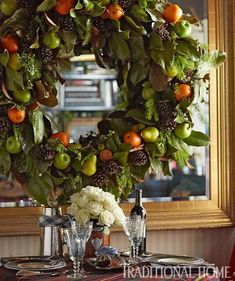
76 238
134 229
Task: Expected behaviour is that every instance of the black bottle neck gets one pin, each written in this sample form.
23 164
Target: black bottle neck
138 197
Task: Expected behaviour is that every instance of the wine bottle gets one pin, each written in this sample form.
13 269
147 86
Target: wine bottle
139 210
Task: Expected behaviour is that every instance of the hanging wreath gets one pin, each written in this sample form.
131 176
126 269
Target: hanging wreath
162 75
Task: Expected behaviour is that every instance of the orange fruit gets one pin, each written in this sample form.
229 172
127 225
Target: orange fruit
132 138
10 43
63 7
63 137
16 115
183 91
105 155
172 13
115 11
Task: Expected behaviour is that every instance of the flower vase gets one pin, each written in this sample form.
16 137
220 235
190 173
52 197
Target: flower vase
51 237
100 237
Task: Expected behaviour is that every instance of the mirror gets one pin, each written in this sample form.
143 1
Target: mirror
216 209
90 92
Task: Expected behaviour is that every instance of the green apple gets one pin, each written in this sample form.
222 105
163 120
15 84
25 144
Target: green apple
51 40
150 134
13 145
183 130
62 160
8 7
148 93
22 95
172 71
183 28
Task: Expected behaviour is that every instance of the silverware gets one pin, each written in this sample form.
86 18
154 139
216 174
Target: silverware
37 273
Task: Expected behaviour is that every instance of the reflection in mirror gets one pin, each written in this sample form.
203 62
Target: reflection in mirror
90 93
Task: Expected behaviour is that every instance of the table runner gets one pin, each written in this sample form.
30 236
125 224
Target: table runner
10 275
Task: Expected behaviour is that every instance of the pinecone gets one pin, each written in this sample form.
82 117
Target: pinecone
54 172
24 46
45 54
138 158
99 23
46 152
111 167
99 179
162 30
5 126
64 22
28 4
126 3
167 115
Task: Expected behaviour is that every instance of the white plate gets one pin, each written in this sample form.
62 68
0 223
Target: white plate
180 260
39 264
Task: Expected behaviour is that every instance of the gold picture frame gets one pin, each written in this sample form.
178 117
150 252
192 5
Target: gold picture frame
219 209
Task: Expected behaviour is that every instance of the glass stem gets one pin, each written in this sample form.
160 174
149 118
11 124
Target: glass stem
76 267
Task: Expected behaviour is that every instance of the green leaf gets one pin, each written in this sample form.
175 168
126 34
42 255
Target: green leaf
36 119
119 47
121 157
155 42
155 165
197 139
157 78
46 5
4 57
134 26
181 157
69 39
25 134
5 163
39 187
151 110
139 115
166 168
138 73
14 79
137 48
213 60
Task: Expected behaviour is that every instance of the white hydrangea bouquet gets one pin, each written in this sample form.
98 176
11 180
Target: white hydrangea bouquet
92 203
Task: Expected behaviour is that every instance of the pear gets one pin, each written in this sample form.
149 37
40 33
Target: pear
89 166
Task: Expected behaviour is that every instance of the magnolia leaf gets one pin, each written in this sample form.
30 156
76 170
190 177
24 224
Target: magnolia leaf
139 115
46 5
51 101
197 139
36 119
137 48
121 157
118 46
155 42
25 134
69 39
5 92
39 186
134 26
5 163
138 73
14 79
4 57
157 78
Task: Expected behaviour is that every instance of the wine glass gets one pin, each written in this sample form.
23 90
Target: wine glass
134 229
76 237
